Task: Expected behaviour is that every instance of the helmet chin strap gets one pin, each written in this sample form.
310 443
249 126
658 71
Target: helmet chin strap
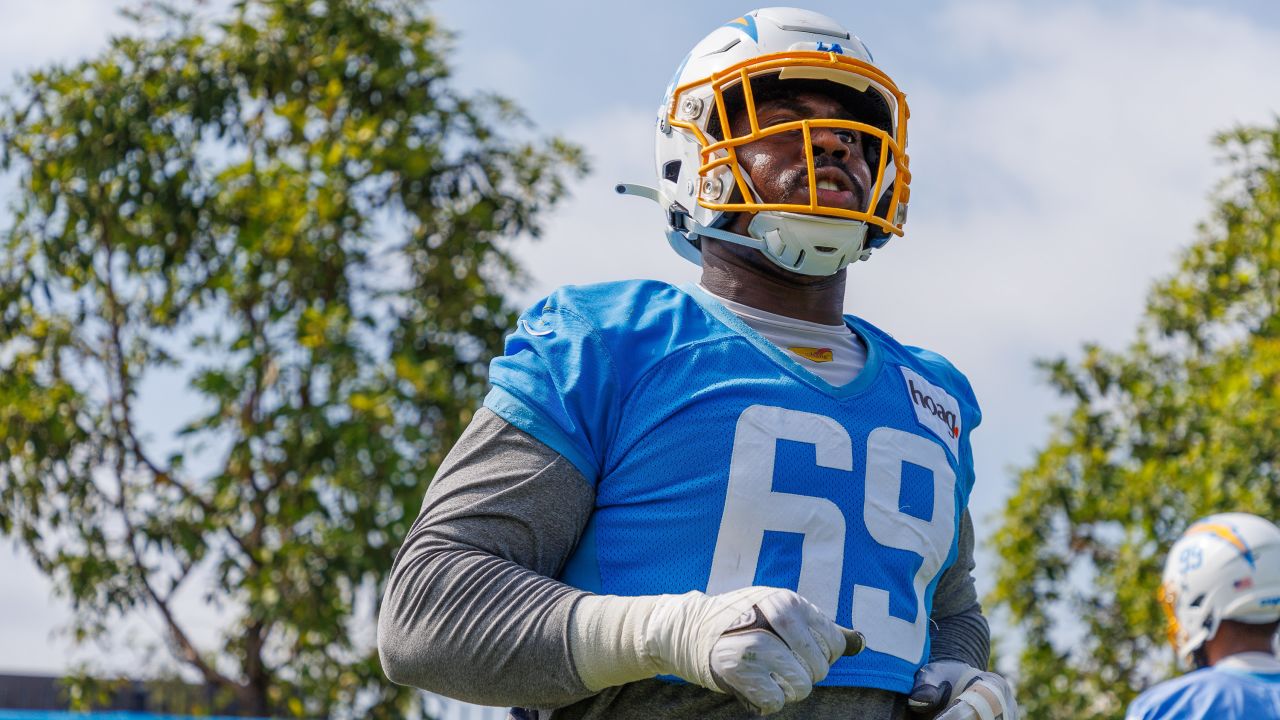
700 230
694 227
805 244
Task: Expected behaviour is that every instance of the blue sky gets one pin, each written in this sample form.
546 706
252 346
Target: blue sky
1060 154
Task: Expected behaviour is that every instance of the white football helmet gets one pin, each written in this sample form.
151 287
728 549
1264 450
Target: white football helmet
700 180
1224 567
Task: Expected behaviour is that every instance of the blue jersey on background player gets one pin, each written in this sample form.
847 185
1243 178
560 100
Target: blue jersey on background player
721 463
1245 686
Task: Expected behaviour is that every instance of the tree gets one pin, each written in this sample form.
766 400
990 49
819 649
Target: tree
295 211
1182 423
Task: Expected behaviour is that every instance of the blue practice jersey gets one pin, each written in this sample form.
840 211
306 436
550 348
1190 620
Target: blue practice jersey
720 463
1212 693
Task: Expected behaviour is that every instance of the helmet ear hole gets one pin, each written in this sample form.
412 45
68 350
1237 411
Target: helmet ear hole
671 171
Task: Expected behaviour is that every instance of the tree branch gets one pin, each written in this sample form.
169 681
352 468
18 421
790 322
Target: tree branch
126 438
123 417
187 649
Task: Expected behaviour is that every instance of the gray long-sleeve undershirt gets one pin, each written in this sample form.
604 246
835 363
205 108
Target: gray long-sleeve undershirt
472 611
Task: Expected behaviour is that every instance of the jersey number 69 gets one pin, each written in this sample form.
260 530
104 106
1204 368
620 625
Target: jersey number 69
753 507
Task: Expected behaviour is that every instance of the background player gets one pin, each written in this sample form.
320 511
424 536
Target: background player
1221 591
697 483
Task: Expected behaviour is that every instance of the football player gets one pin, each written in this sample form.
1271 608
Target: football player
1221 592
676 500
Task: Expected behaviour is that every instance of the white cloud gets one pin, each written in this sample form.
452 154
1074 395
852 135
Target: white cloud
36 33
598 235
1088 161
26 621
1087 164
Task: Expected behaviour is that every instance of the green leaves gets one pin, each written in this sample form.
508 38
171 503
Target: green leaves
1180 424
297 212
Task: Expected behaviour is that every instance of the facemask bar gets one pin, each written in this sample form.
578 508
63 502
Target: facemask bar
891 166
1168 602
724 155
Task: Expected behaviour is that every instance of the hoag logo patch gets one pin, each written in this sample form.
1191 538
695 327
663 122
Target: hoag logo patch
935 409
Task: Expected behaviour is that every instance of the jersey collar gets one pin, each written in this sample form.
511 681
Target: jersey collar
782 359
1250 662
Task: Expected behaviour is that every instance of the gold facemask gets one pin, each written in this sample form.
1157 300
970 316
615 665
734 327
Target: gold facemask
887 213
1168 602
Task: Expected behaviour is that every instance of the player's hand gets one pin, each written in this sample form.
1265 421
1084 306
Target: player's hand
962 693
765 646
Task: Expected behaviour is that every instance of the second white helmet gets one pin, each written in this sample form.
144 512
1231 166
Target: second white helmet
1224 567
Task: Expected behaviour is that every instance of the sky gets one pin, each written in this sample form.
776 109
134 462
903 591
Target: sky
1060 154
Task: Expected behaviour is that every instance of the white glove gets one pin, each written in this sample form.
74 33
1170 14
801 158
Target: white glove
765 646
965 692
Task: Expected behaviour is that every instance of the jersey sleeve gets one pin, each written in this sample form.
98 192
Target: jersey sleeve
556 381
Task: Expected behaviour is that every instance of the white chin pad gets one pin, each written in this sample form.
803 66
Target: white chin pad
809 244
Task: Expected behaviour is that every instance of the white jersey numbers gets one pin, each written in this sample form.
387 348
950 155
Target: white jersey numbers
887 450
752 507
